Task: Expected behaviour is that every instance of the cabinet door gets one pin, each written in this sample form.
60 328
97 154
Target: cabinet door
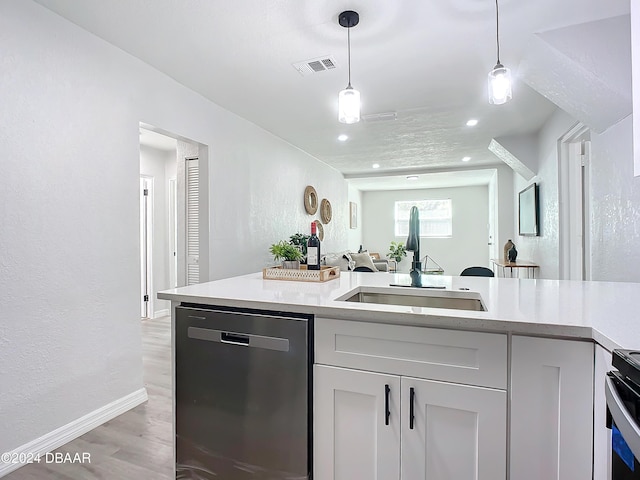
551 409
458 431
351 437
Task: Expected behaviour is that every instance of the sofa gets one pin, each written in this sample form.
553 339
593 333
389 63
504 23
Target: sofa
357 262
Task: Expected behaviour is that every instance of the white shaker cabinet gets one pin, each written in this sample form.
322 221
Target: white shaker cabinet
457 431
551 409
386 427
447 403
351 437
601 434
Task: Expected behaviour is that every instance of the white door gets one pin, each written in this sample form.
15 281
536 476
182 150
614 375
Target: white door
492 226
356 423
192 179
551 409
146 237
452 431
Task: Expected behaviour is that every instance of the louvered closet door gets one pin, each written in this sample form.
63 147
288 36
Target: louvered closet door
193 224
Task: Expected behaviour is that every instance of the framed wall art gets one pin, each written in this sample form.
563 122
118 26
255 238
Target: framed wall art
353 215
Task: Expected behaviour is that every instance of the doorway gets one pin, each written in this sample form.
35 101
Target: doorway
573 188
176 237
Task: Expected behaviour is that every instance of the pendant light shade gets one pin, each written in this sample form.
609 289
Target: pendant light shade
349 98
349 105
499 85
500 76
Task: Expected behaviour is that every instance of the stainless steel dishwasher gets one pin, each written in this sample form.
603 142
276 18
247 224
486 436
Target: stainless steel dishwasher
242 390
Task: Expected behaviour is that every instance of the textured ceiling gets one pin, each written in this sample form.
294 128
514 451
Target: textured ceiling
427 61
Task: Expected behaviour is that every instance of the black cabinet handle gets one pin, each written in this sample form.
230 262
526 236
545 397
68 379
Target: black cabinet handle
412 396
387 412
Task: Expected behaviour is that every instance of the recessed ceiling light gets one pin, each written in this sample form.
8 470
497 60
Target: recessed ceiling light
466 159
412 177
472 123
375 165
343 137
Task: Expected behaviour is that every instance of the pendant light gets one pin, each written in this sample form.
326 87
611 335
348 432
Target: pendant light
349 98
500 76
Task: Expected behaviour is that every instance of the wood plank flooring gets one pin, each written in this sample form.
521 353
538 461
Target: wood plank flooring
135 445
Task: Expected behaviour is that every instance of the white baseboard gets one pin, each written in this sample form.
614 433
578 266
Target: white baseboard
162 313
58 437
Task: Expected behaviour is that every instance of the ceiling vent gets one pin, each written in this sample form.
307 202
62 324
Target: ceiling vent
380 117
315 65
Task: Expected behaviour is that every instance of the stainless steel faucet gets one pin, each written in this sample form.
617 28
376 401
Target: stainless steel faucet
413 245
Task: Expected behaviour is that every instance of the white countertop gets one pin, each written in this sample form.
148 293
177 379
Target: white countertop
606 312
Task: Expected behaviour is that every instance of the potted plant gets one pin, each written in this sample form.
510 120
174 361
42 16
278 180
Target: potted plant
397 251
300 241
289 254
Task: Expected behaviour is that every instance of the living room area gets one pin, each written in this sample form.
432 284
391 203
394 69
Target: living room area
463 223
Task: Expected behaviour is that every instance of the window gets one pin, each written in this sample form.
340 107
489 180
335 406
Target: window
435 217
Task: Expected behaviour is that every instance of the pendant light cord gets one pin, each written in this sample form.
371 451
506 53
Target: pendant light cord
349 51
497 32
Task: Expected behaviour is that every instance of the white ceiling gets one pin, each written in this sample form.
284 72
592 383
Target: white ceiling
158 141
444 179
427 61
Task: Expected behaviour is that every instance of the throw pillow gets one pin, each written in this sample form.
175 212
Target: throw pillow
339 259
363 260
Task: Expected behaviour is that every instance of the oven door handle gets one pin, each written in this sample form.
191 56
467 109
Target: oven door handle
625 423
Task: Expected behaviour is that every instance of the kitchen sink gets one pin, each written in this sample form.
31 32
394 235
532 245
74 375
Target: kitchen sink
423 298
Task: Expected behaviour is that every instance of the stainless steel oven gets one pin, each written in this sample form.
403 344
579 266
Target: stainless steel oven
622 391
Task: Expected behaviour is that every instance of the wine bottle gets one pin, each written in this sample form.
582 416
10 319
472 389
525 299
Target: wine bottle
313 249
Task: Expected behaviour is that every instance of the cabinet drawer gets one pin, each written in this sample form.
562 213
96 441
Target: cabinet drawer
454 356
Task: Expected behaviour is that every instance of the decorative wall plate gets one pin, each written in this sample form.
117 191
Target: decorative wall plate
320 229
325 211
310 200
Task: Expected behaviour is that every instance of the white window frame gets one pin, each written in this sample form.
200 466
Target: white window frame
434 222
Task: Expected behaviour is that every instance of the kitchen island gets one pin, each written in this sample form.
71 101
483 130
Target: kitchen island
513 390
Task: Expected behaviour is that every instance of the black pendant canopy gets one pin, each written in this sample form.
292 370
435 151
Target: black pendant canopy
349 18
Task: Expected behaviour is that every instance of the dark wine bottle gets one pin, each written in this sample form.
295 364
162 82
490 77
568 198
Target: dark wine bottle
313 249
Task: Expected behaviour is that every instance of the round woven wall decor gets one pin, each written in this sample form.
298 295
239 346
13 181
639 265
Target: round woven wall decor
320 229
325 211
310 200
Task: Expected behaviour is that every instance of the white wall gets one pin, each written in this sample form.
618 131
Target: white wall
544 249
635 86
153 163
614 199
468 245
70 339
256 199
615 206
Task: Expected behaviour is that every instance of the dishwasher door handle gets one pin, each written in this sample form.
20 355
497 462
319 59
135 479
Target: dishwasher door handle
239 339
234 338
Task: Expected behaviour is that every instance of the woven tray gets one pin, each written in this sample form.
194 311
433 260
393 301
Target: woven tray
303 275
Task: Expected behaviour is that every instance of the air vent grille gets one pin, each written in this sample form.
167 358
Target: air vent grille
315 65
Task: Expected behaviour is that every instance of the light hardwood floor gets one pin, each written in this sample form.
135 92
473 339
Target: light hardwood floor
138 444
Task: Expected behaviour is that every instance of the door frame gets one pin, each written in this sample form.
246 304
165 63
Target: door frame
146 246
574 203
493 214
203 227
